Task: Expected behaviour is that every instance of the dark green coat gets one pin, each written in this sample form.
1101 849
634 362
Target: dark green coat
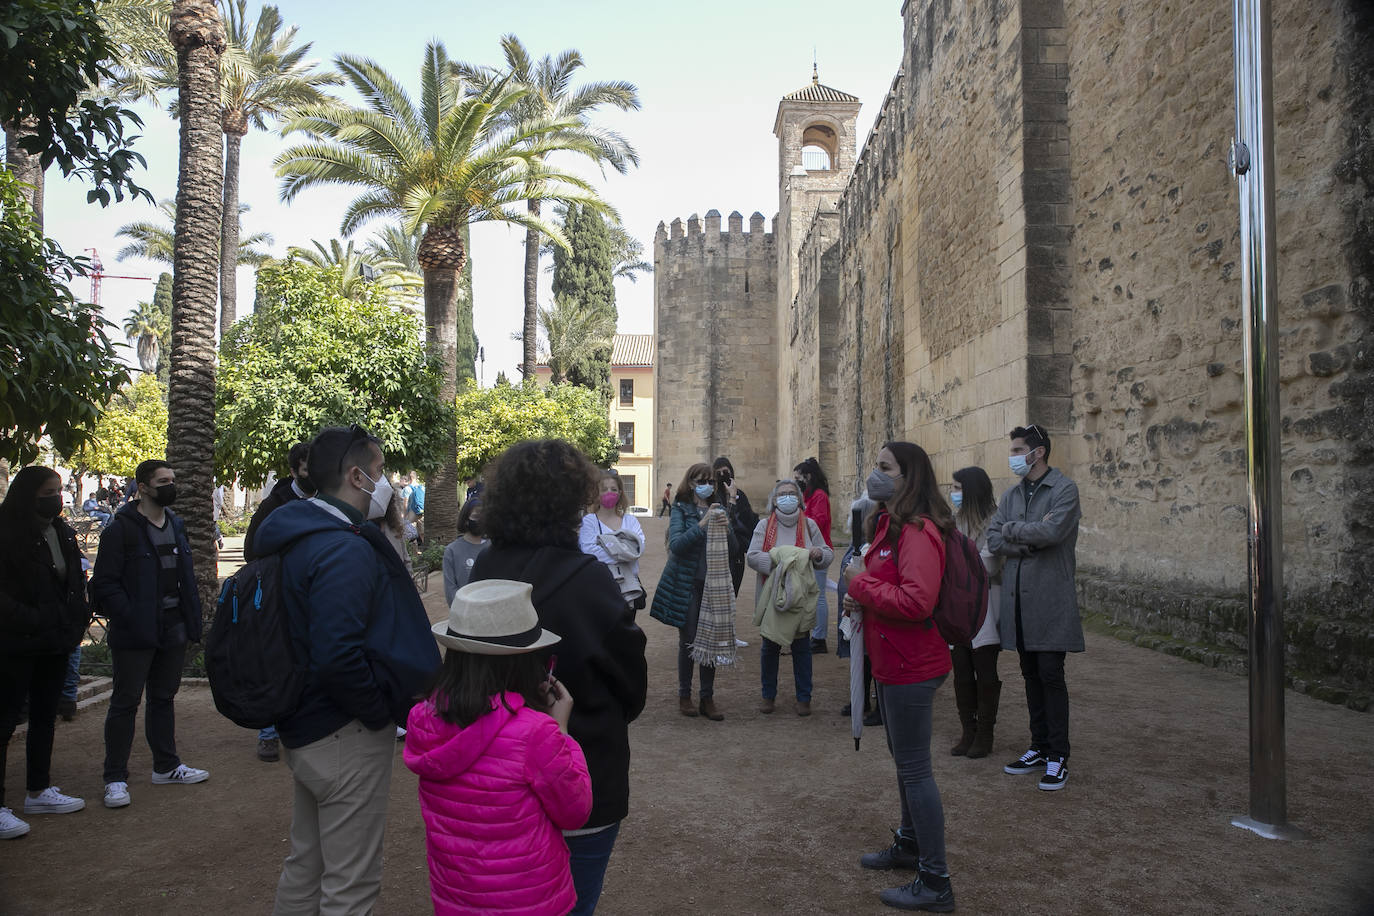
686 564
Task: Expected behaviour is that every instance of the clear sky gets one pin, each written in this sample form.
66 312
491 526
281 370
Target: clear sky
710 74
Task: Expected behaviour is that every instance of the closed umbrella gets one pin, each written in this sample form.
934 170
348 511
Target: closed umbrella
851 625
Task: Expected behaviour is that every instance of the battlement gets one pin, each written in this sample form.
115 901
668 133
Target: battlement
696 236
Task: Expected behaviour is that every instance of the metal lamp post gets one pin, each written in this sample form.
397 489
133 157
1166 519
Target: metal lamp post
1252 160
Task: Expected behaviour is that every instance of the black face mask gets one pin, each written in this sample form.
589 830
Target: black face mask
49 507
305 483
475 526
165 495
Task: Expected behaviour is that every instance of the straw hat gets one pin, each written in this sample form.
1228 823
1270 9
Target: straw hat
493 617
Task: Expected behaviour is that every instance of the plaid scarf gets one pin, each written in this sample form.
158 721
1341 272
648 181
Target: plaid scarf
714 645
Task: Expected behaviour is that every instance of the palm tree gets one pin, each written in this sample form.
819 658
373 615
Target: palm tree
574 334
439 165
154 241
263 78
550 97
395 244
145 325
359 268
198 37
629 254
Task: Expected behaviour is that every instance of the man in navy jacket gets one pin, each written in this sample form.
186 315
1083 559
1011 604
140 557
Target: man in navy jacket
358 625
146 586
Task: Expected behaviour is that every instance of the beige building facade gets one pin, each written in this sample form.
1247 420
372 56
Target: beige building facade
1041 227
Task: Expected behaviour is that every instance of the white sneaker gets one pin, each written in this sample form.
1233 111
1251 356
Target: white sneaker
117 794
400 733
52 801
739 643
11 826
182 775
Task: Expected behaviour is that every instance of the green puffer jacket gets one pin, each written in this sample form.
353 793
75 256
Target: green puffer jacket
685 566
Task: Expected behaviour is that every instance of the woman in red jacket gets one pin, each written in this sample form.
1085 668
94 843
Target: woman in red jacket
815 490
897 588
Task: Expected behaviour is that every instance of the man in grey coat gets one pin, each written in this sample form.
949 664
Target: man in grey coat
1036 529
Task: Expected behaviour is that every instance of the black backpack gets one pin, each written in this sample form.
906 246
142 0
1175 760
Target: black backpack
254 677
963 602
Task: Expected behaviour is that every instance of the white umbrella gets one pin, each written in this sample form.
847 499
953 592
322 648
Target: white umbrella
851 625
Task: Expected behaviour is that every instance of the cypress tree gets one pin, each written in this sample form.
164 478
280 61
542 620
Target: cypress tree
585 274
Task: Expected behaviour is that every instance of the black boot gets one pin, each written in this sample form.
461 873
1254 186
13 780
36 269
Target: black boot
989 695
903 853
966 698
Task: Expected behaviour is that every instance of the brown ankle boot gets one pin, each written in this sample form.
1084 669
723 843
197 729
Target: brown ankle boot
684 706
767 706
803 709
966 698
988 698
708 709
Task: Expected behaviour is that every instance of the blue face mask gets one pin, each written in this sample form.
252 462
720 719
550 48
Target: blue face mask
704 490
1018 465
957 498
787 504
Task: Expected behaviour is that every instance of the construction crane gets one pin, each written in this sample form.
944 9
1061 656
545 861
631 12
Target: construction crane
97 273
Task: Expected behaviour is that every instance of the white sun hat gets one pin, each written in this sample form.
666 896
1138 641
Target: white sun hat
493 617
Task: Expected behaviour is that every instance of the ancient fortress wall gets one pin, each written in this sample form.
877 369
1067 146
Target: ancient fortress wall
715 300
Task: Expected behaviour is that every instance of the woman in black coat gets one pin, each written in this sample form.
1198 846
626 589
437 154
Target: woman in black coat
43 614
536 494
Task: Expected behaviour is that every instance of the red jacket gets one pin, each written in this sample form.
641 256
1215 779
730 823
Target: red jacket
818 510
898 590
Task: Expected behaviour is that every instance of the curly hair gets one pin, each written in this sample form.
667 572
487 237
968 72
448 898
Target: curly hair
537 492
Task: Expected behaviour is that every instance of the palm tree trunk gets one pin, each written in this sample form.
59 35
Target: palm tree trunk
198 37
229 231
442 255
27 168
531 334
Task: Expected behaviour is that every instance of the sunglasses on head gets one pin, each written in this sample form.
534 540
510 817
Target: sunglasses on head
356 434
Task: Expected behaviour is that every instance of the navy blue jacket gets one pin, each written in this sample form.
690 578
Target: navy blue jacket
355 617
125 580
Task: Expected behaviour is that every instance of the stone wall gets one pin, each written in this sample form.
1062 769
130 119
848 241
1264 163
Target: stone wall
714 312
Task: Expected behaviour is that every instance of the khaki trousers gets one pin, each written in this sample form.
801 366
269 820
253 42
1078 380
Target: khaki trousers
337 823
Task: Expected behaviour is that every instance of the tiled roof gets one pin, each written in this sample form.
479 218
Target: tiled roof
815 92
632 350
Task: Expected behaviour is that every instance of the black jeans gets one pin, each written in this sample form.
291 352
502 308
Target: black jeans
39 677
907 713
1047 696
159 670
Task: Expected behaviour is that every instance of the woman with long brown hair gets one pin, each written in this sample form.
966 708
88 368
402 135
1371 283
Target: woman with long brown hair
897 588
977 689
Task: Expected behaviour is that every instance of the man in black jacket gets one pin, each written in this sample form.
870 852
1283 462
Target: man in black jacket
146 586
295 486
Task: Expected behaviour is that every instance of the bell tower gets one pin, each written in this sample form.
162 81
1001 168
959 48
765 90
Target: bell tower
816 153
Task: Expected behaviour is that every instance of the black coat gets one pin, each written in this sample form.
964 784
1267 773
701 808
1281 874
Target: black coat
125 581
281 495
600 657
41 614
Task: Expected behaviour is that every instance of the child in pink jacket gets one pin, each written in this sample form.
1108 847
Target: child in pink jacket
499 776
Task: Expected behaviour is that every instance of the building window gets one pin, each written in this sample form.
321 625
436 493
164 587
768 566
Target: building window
627 483
627 392
627 437
815 159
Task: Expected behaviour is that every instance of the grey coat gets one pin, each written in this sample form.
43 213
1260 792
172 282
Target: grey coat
1038 542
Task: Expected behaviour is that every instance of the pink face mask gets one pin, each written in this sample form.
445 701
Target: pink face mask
609 499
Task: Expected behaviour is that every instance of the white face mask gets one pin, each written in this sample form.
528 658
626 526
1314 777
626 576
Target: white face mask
381 496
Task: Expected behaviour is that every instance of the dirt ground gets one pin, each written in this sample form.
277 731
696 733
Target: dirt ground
768 814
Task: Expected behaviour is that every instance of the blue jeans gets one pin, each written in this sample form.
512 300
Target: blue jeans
73 675
591 853
906 710
822 609
268 734
801 667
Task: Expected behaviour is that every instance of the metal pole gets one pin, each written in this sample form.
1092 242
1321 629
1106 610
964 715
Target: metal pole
1252 159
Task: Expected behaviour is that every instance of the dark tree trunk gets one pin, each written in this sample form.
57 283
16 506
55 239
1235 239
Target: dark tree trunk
198 37
531 333
229 231
442 255
26 168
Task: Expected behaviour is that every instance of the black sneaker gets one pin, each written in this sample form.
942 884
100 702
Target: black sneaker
919 896
901 854
1056 774
268 751
1028 762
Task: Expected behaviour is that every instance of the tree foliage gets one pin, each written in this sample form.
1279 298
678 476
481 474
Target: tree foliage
51 52
491 420
58 366
132 429
153 241
577 338
309 357
147 330
585 271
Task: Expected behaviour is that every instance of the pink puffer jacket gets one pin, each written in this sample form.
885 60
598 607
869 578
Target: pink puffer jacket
495 797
